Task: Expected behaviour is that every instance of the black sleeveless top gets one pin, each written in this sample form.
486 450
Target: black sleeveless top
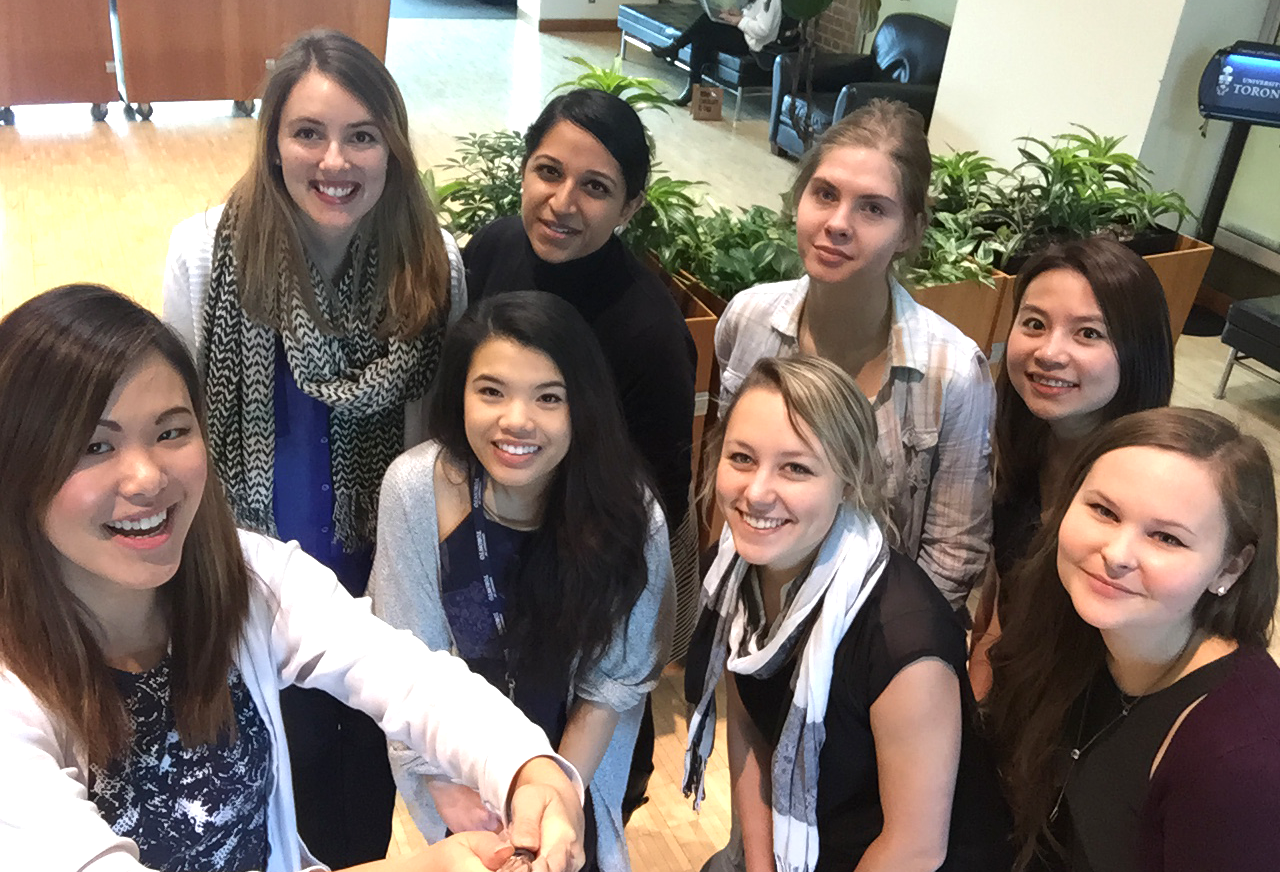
1107 787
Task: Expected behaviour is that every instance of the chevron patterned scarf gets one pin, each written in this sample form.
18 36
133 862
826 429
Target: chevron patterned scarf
365 381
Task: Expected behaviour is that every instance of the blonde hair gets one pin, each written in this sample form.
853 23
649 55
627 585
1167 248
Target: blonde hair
888 126
413 266
825 399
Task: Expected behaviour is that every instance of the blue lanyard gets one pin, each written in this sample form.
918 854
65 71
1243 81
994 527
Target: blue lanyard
481 523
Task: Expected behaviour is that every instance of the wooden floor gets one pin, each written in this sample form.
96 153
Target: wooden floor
82 201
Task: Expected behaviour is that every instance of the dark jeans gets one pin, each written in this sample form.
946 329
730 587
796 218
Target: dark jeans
705 38
342 783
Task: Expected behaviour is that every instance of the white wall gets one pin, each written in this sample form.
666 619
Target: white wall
572 9
1033 67
1179 158
942 10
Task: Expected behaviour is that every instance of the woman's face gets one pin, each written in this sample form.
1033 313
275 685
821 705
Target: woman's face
120 519
572 195
333 158
775 485
516 413
1143 539
1060 356
850 220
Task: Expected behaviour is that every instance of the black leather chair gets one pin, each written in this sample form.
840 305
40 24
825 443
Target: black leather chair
905 64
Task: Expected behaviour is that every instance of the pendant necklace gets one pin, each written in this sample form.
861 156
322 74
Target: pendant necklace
1126 705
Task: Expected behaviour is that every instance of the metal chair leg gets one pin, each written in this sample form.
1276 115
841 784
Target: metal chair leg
1232 354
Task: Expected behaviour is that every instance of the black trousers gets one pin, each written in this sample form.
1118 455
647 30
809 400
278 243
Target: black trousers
342 782
706 37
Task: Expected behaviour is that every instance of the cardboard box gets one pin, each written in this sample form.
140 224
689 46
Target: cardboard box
707 103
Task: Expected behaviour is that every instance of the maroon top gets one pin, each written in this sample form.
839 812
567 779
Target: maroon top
1214 802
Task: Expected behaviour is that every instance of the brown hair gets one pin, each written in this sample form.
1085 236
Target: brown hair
1048 655
1137 319
825 399
61 356
894 128
413 266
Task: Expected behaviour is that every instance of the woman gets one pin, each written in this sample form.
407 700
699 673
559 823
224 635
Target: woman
1090 342
521 537
1134 703
735 31
860 207
315 300
850 725
586 164
143 639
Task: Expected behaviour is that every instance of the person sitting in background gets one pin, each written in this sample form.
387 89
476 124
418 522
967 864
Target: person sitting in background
735 31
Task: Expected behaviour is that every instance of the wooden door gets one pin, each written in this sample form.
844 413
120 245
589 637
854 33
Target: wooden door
55 51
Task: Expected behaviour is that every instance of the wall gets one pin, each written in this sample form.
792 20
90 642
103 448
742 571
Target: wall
1032 67
837 31
1180 159
552 10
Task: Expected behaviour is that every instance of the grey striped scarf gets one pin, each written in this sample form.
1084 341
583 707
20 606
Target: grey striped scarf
849 562
365 381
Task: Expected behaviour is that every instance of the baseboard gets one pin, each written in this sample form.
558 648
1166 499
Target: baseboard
580 25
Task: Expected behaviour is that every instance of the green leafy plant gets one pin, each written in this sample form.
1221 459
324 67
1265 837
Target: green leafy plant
955 249
640 92
730 251
488 186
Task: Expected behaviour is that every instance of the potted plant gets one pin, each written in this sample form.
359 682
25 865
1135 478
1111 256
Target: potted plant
1079 185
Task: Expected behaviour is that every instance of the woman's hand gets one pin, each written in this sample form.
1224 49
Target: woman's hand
730 16
546 816
461 808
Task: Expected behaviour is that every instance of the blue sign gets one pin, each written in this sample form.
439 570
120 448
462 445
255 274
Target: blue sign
1242 83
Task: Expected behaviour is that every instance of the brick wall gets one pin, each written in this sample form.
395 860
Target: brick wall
838 27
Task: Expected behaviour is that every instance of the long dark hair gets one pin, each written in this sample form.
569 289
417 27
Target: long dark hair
609 119
61 356
1137 318
412 262
584 568
1048 654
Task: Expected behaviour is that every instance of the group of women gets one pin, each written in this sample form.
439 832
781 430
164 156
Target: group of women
492 447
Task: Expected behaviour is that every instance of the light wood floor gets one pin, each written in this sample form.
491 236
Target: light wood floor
82 201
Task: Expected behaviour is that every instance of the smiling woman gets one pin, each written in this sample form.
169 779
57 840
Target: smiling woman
860 208
1134 704
523 536
137 625
315 300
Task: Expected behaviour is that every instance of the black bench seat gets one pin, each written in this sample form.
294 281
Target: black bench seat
656 25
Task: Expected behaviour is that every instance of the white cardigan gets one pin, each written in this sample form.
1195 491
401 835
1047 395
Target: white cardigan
304 629
186 285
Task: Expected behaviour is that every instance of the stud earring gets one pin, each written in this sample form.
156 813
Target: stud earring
1222 589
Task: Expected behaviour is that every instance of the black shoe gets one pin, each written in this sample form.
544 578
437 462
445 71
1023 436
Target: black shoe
686 98
666 53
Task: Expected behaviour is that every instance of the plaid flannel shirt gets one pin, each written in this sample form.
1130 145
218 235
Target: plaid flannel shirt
933 411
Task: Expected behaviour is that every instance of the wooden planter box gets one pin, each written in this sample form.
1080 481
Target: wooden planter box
982 312
1180 272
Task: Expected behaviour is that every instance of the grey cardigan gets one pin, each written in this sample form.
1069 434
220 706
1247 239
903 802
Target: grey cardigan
405 587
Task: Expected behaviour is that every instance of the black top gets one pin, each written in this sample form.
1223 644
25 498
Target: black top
640 330
1014 523
904 619
1107 787
188 808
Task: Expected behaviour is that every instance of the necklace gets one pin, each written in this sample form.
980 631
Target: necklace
489 504
1126 705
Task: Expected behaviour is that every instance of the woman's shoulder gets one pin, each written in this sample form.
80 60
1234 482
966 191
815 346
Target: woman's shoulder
1244 709
198 230
415 464
762 299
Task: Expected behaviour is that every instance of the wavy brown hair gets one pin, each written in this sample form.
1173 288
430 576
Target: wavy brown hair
1048 655
1137 319
413 266
61 356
